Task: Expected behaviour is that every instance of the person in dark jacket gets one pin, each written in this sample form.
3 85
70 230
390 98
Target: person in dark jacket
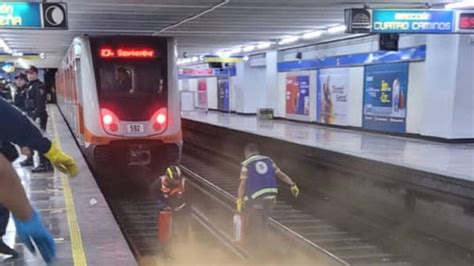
19 99
11 154
21 82
5 92
35 107
16 128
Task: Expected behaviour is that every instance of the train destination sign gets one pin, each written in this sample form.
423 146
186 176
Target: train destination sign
33 15
127 53
412 21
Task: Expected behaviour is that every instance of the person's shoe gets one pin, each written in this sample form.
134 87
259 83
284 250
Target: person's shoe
4 249
27 162
42 168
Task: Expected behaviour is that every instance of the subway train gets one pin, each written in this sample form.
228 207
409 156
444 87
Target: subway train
119 96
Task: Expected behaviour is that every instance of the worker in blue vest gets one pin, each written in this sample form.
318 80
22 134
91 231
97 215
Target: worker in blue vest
16 128
258 188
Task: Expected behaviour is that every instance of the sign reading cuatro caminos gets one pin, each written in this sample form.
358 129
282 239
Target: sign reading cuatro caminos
412 21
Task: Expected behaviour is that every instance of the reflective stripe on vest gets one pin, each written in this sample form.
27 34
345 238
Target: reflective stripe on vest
264 191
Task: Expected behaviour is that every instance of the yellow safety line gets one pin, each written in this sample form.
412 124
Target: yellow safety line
77 248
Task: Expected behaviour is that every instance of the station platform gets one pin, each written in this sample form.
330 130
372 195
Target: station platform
423 185
74 210
450 160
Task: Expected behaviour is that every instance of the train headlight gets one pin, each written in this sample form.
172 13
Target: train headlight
109 120
159 119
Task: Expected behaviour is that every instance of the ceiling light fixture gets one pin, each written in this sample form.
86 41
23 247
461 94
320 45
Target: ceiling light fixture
288 40
337 29
264 45
223 53
5 46
312 35
194 59
22 63
463 4
249 48
236 50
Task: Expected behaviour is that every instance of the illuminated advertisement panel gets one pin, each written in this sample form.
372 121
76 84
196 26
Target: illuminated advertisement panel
385 97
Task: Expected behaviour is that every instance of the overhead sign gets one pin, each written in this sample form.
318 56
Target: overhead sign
196 71
33 15
357 20
29 57
217 59
412 21
465 22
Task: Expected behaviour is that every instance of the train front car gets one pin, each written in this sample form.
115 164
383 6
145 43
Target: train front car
128 102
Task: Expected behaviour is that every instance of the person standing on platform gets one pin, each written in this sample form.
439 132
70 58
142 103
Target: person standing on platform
19 99
21 82
17 129
258 190
36 108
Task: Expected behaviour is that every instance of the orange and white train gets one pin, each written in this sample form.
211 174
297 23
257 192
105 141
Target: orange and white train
119 96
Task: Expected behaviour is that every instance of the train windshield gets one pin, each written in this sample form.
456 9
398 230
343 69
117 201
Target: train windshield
131 78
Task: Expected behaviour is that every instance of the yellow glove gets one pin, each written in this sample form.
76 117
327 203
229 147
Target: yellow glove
61 160
240 204
295 190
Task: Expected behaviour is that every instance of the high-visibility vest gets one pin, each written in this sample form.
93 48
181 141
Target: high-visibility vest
169 189
261 178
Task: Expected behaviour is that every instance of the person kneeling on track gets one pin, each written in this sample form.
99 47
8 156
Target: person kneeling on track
171 188
258 190
18 129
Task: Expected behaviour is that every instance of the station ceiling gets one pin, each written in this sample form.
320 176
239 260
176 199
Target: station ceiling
215 25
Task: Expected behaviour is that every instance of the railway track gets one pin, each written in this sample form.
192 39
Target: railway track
334 245
198 237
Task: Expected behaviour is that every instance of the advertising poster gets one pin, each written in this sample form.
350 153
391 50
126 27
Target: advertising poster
223 94
202 93
332 96
385 97
297 94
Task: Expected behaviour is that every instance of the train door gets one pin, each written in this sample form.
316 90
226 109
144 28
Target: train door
79 111
73 100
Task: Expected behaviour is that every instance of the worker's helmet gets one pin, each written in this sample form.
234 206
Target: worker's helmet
173 172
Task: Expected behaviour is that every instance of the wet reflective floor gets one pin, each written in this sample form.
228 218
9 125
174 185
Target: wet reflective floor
46 195
73 209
